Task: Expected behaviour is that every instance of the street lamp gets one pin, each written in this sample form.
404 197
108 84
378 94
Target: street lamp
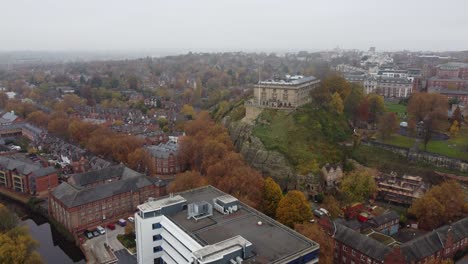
105 228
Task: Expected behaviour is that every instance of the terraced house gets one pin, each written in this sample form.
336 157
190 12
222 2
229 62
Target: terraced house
100 197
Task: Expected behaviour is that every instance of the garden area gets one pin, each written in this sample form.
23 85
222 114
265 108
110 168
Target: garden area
128 239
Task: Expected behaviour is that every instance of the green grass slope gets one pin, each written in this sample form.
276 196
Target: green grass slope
305 137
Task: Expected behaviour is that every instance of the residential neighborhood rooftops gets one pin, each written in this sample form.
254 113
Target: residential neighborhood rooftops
117 171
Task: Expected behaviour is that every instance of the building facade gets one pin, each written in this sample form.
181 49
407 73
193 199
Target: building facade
26 177
291 92
101 197
449 76
390 87
166 158
205 225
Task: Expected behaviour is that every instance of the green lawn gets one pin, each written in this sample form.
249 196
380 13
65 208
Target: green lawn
395 107
399 109
455 147
400 141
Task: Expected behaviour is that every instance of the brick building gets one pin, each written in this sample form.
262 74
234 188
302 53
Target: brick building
442 243
100 197
453 76
25 176
166 158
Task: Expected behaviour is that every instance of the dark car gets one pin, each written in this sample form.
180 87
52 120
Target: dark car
88 234
111 226
96 233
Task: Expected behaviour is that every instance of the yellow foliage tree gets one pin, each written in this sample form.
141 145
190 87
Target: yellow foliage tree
272 195
454 128
337 103
359 185
293 209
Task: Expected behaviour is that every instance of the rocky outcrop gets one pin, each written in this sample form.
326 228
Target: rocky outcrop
269 162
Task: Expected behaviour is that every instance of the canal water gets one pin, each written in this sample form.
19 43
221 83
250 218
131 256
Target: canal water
53 247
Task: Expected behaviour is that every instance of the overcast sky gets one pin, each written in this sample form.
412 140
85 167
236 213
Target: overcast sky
219 25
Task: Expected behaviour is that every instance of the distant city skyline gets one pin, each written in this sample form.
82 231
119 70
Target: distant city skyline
213 26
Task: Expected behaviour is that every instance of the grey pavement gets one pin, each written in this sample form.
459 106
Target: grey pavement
125 257
96 245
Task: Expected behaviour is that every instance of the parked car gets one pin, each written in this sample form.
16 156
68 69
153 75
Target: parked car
111 226
122 222
88 234
318 213
101 230
96 233
131 219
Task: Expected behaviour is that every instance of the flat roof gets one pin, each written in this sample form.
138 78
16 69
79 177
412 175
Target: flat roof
271 241
158 204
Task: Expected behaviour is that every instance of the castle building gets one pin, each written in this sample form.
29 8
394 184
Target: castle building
290 92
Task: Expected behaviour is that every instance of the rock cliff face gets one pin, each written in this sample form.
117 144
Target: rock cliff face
268 162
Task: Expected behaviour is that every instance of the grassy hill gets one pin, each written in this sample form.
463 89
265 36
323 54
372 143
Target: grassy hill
305 136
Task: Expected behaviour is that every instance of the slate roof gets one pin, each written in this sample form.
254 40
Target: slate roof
413 250
72 195
25 168
432 242
163 150
9 116
385 218
44 171
362 243
120 171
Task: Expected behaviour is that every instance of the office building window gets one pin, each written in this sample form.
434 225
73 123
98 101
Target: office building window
156 226
157 237
157 249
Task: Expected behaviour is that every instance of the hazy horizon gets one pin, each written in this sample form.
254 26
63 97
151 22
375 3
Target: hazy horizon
216 26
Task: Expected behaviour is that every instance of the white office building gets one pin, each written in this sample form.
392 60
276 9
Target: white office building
205 225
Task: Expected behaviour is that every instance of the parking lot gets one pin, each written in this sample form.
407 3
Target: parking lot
96 245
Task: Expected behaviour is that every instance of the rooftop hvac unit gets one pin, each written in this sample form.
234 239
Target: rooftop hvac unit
199 210
239 260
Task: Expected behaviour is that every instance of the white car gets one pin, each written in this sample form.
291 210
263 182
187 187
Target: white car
101 230
131 219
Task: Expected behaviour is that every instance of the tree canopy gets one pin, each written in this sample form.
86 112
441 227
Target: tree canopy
440 205
272 195
359 185
293 209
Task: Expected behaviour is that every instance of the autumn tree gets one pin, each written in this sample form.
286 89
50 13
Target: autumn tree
359 185
186 181
272 195
337 103
293 209
376 107
58 126
440 205
454 128
316 233
353 101
141 161
388 125
8 220
80 131
38 118
188 111
429 110
332 205
17 247
457 116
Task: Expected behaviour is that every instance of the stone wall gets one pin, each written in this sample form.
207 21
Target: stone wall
427 157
